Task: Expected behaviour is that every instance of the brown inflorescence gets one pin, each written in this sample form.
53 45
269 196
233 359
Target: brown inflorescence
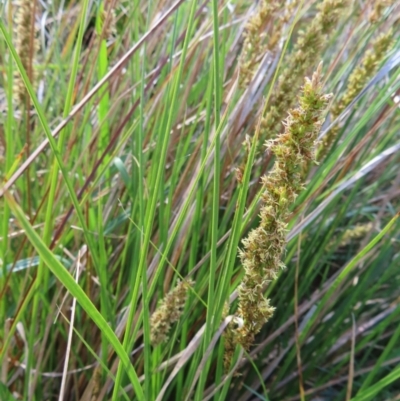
357 80
351 234
255 41
168 312
26 46
108 24
306 50
378 10
263 248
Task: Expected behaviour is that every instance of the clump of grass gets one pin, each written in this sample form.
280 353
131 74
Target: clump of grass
150 127
263 248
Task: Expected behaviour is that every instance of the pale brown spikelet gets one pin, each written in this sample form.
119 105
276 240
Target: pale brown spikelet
96 383
25 45
263 248
168 312
378 8
229 336
364 72
240 170
305 52
256 42
357 80
283 18
108 24
354 233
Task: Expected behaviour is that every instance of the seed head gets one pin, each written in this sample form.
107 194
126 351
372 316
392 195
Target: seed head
169 312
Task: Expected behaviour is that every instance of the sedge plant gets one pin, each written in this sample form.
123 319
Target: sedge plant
126 193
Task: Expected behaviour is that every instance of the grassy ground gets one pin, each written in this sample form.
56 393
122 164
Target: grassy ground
132 150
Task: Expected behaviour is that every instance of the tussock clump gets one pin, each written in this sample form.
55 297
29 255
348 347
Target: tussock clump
169 312
263 248
306 50
149 127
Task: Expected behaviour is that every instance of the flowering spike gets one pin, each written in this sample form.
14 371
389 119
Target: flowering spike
308 45
263 248
23 23
169 312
